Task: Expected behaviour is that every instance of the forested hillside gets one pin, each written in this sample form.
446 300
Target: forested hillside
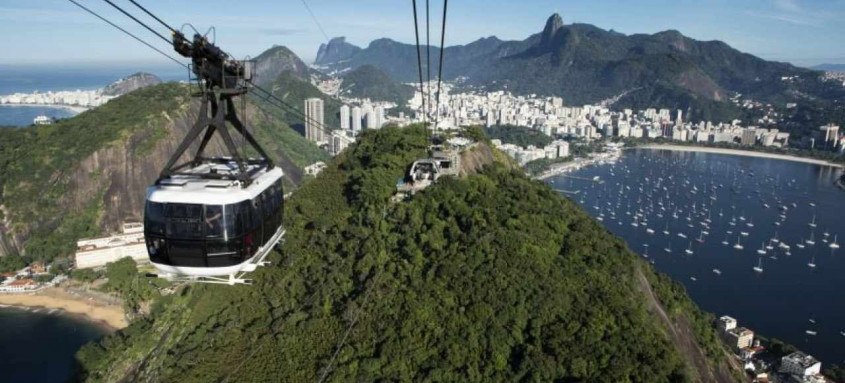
491 277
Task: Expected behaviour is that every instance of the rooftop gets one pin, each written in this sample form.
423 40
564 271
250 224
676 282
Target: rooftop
802 359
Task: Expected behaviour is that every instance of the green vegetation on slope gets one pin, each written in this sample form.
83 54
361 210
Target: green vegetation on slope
370 82
492 277
37 162
518 135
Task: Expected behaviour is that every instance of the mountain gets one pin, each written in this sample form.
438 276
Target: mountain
370 82
586 64
337 49
830 67
490 277
272 62
131 83
84 176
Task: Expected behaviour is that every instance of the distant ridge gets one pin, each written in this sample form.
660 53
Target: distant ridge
586 64
131 83
830 67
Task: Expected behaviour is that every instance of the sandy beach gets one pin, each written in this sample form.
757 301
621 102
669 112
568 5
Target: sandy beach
737 152
56 298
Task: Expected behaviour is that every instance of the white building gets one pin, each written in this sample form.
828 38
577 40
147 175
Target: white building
339 141
799 363
315 168
727 323
356 119
96 252
314 121
344 117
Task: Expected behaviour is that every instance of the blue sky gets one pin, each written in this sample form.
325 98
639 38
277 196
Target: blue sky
804 32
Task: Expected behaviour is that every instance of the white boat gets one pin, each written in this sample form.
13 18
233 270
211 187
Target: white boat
759 267
813 222
811 332
811 241
762 249
717 271
689 249
682 235
743 233
649 230
738 245
812 263
834 244
693 279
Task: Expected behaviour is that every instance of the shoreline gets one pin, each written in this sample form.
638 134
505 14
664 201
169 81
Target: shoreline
73 108
737 152
109 316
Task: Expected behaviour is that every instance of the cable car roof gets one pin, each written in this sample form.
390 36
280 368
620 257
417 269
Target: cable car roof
194 189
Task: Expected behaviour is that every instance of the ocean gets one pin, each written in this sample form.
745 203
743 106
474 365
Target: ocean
43 78
763 203
40 347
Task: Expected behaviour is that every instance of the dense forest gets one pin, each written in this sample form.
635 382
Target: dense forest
491 277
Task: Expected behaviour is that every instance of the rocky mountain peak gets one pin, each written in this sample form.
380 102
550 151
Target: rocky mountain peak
553 25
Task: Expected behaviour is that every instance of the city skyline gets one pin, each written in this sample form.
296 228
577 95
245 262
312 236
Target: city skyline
803 32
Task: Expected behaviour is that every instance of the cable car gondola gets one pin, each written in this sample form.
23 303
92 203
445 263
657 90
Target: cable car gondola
213 219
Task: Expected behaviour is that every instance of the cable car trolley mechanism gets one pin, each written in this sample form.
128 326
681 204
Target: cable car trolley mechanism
214 219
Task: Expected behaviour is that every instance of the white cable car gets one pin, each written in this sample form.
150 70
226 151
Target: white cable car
214 219
215 231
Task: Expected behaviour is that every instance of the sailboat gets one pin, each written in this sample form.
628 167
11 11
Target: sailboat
738 245
813 222
811 241
668 247
834 244
689 249
812 263
749 223
666 229
759 267
725 242
762 249
700 238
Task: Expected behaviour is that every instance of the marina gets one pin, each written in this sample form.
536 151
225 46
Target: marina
753 237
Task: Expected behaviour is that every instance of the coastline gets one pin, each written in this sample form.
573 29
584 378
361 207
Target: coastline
737 152
109 316
73 108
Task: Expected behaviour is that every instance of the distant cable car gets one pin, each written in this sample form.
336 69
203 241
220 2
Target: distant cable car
213 219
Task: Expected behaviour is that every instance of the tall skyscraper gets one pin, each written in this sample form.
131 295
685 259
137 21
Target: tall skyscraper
379 117
344 117
356 119
314 123
372 120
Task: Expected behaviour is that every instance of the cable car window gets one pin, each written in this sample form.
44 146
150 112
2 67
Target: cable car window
184 220
220 221
154 217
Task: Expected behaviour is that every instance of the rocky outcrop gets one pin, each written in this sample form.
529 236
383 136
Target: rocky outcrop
131 83
337 49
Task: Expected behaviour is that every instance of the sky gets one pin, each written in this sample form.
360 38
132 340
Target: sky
48 32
